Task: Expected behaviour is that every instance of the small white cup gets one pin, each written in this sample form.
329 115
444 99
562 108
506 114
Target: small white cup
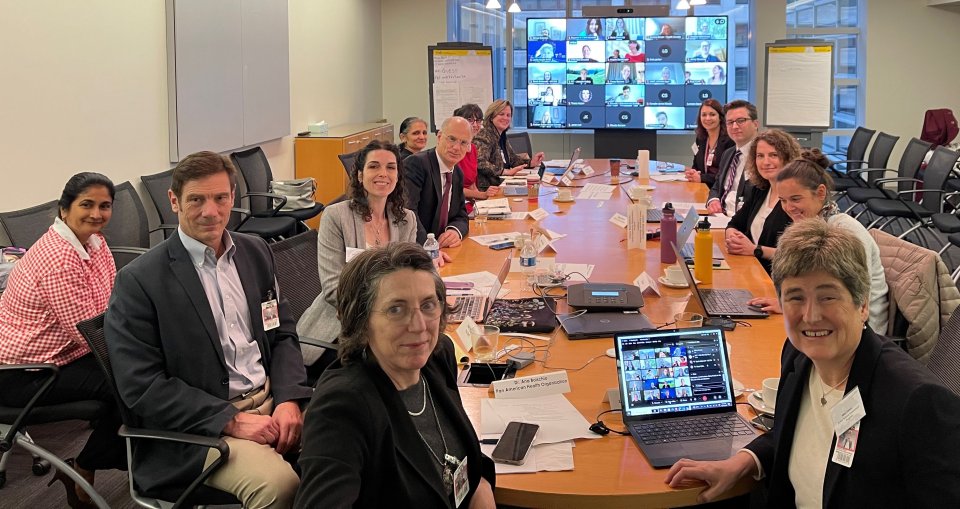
770 392
564 195
674 275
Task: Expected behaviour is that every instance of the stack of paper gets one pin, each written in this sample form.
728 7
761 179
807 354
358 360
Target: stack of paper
595 192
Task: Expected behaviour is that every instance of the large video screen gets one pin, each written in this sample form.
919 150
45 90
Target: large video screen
627 73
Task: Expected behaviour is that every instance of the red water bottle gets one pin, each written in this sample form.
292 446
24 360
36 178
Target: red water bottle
668 235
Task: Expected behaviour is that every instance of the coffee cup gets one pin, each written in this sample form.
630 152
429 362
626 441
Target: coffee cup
614 167
674 275
564 195
770 392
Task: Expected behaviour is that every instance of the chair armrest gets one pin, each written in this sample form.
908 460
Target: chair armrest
183 438
319 343
165 227
882 181
276 208
6 442
854 173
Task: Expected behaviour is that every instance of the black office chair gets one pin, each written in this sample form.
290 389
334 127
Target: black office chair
853 177
196 493
944 358
856 149
24 227
17 418
266 224
127 233
347 160
909 165
157 186
520 143
255 168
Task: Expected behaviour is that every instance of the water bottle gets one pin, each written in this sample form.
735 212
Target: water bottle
528 260
703 253
432 247
668 235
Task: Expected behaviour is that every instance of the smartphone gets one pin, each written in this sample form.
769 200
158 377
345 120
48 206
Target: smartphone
762 422
514 443
457 285
502 245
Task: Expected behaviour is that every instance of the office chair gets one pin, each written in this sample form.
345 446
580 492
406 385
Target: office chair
910 163
944 359
520 142
196 493
13 421
157 186
256 172
856 149
853 177
24 227
127 233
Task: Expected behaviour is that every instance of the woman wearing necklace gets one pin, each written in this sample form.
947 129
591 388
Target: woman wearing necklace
904 449
387 427
712 141
373 216
758 223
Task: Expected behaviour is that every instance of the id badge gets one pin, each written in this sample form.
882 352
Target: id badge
461 483
846 446
270 314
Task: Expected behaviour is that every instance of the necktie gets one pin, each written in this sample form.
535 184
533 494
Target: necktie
731 175
445 202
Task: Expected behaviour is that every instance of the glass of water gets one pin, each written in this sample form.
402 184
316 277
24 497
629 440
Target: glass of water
484 348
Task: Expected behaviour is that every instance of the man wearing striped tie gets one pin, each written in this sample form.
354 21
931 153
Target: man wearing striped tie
728 189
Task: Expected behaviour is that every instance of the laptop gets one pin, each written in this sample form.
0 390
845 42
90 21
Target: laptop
686 229
477 306
677 395
604 325
729 303
568 171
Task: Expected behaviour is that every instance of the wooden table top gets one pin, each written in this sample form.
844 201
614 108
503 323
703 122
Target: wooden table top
611 471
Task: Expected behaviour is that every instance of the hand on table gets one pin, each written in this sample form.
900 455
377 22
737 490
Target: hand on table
449 238
738 243
692 175
536 160
714 207
261 429
289 420
766 304
442 260
514 170
720 476
492 191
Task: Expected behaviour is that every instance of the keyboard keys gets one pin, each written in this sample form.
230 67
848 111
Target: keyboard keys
700 428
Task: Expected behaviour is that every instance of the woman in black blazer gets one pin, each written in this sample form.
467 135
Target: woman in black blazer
902 451
712 141
388 429
760 220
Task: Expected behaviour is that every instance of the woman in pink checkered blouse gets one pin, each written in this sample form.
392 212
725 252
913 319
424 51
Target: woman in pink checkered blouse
64 278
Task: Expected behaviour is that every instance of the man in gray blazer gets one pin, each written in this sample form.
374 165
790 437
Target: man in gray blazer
202 343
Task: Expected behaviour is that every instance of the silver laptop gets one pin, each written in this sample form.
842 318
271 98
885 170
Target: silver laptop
568 171
604 325
729 303
685 231
477 306
677 395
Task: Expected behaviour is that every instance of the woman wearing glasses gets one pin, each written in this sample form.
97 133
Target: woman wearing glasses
495 157
468 165
388 429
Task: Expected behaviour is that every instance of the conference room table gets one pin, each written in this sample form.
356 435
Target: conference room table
611 471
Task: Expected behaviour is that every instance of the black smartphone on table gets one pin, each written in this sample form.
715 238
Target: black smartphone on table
515 442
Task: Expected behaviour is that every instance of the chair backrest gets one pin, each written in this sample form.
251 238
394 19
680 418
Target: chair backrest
911 160
128 223
26 226
944 360
520 142
157 186
255 169
859 143
935 176
297 274
880 153
92 332
348 160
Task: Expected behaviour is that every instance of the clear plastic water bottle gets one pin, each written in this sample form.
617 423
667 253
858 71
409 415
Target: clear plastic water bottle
528 260
432 247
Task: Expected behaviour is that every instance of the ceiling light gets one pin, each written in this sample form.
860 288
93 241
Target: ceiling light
493 4
514 7
682 5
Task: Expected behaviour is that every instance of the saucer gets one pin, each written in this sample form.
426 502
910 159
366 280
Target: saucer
668 284
558 200
758 405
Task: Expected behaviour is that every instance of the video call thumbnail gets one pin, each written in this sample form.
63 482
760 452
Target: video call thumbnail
665 51
664 73
664 28
586 117
696 94
623 29
586 51
545 95
706 74
666 95
586 74
706 51
547 51
548 116
706 27
546 73
624 117
547 30
585 95
625 73
624 95
666 117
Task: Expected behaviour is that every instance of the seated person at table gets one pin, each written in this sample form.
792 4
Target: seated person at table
388 429
805 189
712 141
373 217
64 278
434 185
202 343
495 157
755 228
726 195
903 452
468 165
413 136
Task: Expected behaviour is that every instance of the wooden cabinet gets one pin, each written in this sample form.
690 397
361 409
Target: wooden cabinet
316 156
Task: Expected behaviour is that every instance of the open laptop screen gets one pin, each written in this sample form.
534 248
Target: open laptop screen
663 373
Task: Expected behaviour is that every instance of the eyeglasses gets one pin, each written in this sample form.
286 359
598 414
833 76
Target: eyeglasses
453 140
401 312
739 122
475 120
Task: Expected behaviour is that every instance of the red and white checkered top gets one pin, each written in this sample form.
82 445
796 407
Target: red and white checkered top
49 291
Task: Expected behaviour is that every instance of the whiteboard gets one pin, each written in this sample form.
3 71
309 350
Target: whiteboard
458 75
799 85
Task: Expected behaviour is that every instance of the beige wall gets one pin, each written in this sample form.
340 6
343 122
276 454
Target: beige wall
84 87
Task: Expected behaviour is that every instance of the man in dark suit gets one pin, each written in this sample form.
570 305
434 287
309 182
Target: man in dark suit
727 191
202 343
434 185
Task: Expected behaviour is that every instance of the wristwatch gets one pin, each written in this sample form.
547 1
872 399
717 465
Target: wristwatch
758 252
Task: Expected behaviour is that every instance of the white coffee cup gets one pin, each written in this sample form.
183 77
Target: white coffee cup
564 195
674 275
770 392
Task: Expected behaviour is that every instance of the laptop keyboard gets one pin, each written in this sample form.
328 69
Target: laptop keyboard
724 302
469 305
693 428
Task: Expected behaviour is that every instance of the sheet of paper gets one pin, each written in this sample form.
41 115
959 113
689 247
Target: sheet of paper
541 458
619 220
671 177
719 221
538 214
596 192
480 280
558 419
496 238
497 206
446 99
516 216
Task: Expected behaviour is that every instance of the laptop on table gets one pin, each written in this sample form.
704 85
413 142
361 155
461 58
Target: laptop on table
729 303
477 306
676 394
684 233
